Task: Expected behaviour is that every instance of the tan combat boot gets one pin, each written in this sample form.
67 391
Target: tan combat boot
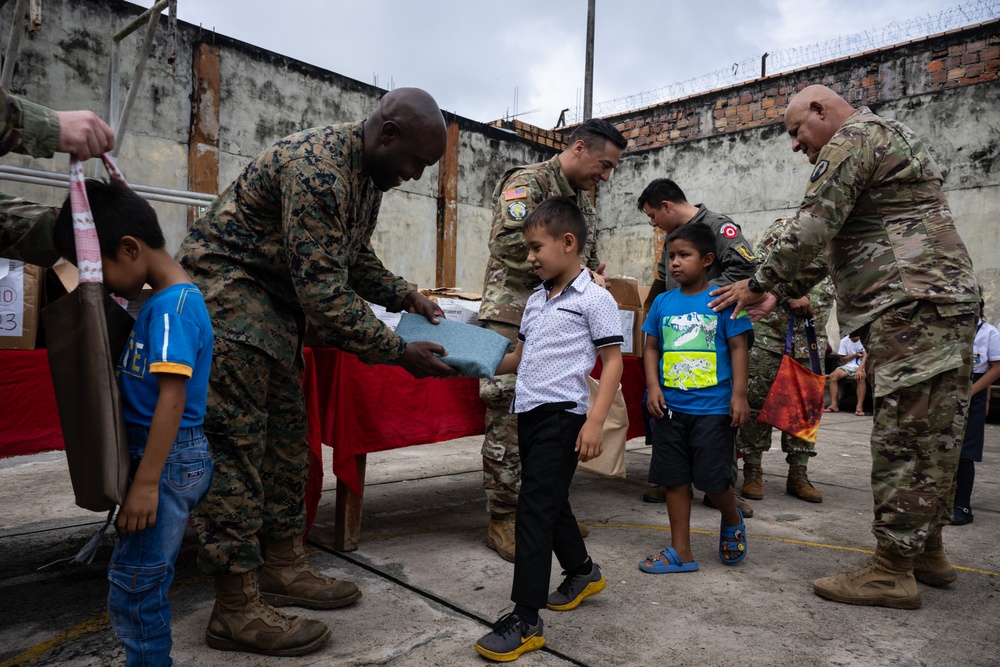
287 578
242 621
885 581
931 567
753 481
798 485
500 536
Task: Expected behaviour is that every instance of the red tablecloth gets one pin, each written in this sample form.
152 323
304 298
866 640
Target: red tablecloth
366 409
29 422
633 388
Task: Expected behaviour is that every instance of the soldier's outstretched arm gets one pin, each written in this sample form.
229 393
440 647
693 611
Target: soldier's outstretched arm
420 359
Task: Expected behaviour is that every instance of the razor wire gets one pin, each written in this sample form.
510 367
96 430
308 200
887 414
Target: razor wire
791 58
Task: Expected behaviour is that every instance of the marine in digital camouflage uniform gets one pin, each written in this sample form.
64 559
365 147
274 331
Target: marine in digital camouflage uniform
289 242
754 437
904 281
594 150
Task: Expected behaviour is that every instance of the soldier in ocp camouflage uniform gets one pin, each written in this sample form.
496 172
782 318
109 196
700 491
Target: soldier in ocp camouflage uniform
904 281
289 241
594 150
31 129
754 437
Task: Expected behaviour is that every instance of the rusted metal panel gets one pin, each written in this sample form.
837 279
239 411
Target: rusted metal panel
447 216
203 145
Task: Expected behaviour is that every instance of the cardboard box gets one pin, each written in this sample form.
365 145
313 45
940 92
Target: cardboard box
625 290
21 290
457 306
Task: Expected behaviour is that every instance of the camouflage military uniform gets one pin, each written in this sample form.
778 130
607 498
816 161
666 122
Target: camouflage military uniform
508 284
288 241
754 437
904 280
26 227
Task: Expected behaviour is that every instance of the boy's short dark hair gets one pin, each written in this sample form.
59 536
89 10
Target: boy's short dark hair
596 132
661 190
697 234
558 216
118 211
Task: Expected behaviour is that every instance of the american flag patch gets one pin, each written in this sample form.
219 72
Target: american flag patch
516 193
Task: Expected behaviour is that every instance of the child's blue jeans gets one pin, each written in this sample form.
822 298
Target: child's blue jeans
142 565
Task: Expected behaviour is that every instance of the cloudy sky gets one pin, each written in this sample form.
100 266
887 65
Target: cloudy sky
472 55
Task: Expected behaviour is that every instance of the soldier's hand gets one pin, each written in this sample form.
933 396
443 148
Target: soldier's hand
740 296
801 307
83 135
416 302
420 359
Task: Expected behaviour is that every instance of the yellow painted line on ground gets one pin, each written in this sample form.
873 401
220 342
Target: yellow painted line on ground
35 652
93 624
804 543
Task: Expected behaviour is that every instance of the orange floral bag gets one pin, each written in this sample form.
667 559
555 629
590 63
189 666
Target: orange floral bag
794 403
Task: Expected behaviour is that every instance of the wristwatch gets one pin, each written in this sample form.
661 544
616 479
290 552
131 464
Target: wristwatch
754 286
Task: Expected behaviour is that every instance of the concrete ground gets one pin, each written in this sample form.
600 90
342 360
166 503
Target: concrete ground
431 587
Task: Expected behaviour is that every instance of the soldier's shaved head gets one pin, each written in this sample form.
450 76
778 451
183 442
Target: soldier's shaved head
813 116
404 134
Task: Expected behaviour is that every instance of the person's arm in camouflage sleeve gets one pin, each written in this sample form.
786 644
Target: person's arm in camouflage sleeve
27 127
373 282
316 238
828 202
26 231
507 245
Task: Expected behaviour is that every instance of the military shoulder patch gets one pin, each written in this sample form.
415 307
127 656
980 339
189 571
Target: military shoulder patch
517 210
745 252
515 193
729 230
820 169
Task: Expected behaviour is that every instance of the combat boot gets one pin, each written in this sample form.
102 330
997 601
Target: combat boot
753 481
287 578
798 485
885 581
931 567
500 536
242 621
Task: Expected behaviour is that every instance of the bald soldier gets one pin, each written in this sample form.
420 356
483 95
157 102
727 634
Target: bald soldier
874 206
289 242
594 150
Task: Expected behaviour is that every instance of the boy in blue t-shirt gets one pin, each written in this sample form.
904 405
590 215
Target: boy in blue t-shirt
697 363
163 376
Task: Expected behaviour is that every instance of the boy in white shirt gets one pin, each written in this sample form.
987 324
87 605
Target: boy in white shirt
566 323
852 358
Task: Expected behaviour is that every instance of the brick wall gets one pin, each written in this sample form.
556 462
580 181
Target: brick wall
966 56
550 138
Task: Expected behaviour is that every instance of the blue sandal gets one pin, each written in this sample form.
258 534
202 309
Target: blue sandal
667 562
733 538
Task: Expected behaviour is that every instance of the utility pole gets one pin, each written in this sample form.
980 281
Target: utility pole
588 77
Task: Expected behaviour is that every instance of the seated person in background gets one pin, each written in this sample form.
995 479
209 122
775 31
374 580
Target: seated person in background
697 366
567 321
163 376
852 357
